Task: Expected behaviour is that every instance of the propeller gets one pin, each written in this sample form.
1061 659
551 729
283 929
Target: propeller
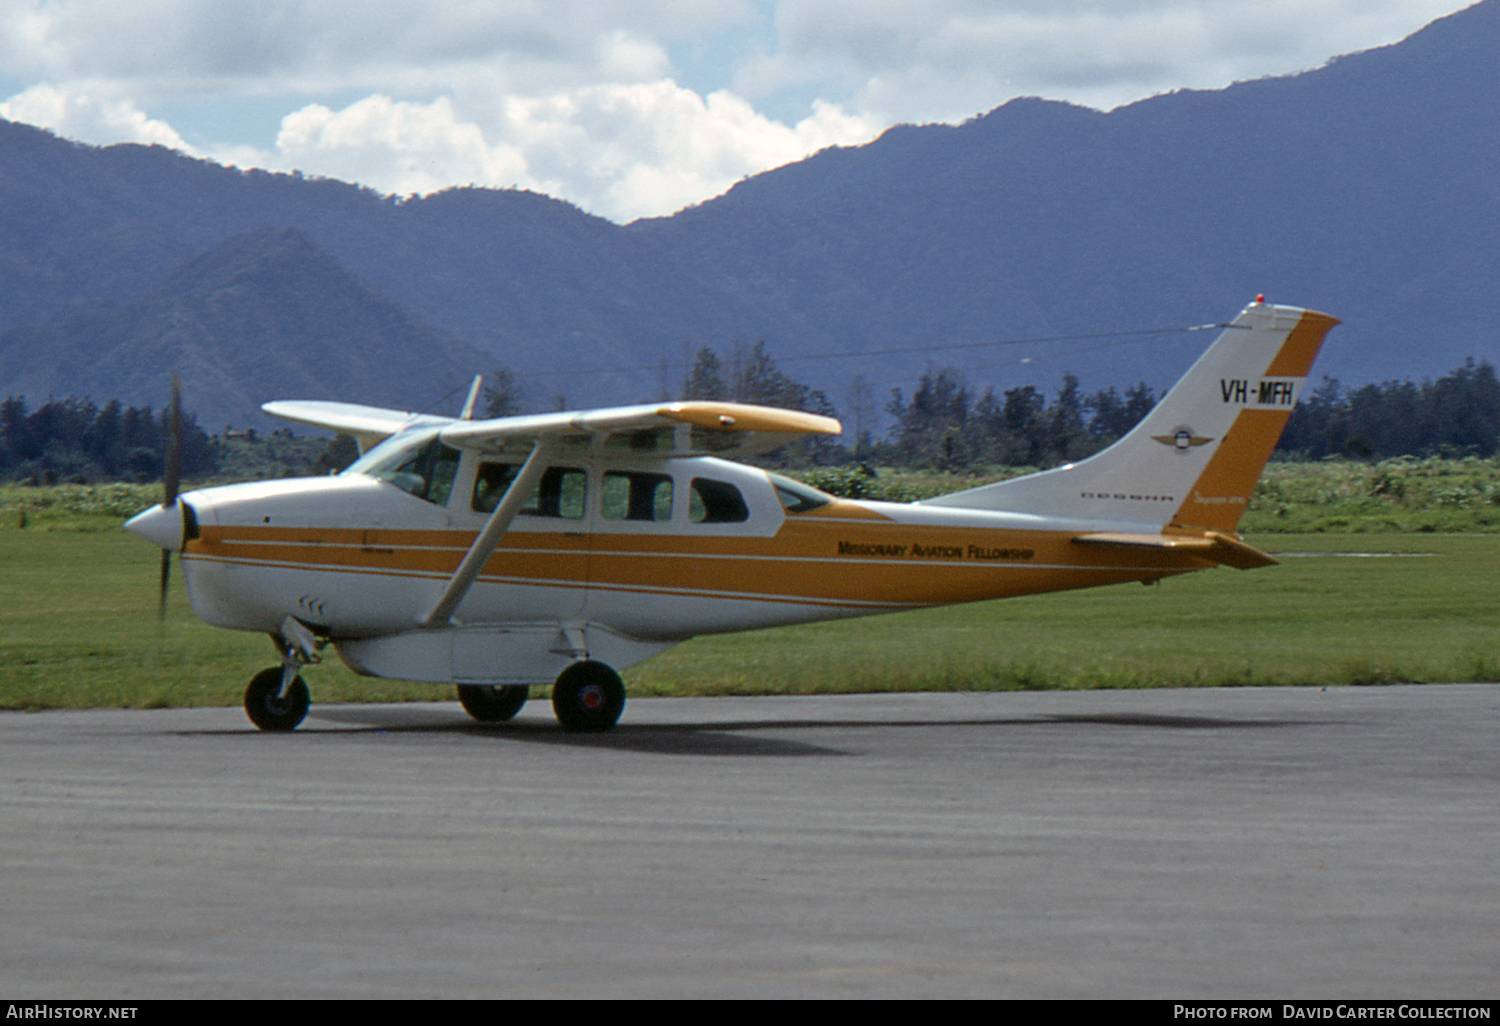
171 482
169 525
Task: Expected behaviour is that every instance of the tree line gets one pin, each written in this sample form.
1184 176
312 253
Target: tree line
943 424
77 439
946 424
73 440
1456 415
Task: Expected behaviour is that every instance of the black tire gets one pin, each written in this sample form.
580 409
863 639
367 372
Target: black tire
493 703
588 697
267 711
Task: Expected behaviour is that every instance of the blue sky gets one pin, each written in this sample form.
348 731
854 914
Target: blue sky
627 108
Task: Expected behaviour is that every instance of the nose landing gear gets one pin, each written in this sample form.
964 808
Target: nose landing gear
277 698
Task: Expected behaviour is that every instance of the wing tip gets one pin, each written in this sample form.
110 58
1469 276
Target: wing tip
727 416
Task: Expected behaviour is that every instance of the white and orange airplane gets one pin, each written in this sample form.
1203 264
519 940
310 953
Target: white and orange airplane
562 547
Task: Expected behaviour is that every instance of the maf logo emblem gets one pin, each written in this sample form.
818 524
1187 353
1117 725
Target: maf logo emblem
1182 439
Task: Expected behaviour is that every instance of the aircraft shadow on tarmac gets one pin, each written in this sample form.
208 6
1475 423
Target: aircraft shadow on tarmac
662 739
1189 722
722 738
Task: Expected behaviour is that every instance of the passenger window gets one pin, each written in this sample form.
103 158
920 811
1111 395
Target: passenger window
628 495
560 492
716 502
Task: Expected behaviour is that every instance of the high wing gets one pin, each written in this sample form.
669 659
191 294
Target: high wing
369 425
669 429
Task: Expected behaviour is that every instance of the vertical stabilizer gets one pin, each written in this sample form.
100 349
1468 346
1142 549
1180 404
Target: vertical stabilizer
1194 460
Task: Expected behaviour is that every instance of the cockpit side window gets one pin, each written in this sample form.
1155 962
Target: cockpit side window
716 502
560 492
426 473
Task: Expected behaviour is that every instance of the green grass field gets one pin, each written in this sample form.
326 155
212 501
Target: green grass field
79 628
78 623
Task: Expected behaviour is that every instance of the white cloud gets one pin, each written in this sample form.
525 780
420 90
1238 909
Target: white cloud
656 148
392 146
946 59
620 151
297 45
539 47
90 117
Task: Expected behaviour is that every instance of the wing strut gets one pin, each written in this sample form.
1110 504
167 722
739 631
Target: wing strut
494 529
468 410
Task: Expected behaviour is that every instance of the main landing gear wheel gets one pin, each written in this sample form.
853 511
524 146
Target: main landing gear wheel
270 712
588 697
492 703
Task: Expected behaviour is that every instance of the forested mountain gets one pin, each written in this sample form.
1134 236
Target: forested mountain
1369 188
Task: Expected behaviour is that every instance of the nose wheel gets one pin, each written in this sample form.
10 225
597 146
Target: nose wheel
270 707
588 697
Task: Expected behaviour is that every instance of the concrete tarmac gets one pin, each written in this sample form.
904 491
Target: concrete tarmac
1258 843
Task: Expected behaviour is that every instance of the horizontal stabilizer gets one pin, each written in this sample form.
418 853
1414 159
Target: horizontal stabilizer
1211 545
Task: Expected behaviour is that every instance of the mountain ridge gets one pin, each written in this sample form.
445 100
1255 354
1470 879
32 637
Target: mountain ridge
214 317
1368 187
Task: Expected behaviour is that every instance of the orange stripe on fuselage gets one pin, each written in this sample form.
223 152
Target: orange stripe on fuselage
839 560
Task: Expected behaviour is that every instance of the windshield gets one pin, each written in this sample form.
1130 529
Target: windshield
415 462
400 442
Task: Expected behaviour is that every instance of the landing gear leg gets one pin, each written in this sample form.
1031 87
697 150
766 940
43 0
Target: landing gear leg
588 697
277 698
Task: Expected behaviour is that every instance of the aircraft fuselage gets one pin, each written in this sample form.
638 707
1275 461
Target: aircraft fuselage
356 557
